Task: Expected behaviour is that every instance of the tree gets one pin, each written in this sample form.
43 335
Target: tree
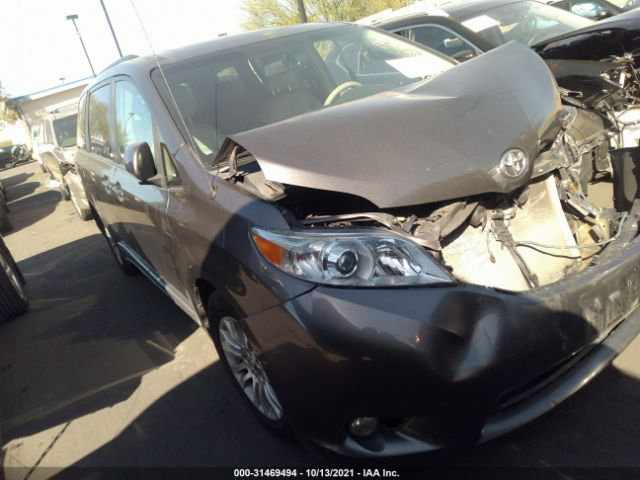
6 114
278 13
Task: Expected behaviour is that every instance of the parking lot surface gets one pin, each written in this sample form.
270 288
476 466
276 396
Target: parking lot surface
105 371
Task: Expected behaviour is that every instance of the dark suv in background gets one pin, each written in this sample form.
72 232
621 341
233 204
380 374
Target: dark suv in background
368 230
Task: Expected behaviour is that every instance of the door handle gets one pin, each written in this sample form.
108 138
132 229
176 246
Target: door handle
106 184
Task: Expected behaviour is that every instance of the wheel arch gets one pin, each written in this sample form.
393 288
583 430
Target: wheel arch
96 217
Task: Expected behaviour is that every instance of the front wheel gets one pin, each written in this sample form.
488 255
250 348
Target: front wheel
13 298
241 362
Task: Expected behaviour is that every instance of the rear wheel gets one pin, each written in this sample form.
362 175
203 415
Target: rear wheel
64 191
83 213
13 298
241 362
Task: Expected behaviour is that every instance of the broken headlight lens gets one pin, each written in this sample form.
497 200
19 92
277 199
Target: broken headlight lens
362 258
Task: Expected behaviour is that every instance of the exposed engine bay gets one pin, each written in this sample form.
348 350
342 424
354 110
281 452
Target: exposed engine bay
573 205
530 238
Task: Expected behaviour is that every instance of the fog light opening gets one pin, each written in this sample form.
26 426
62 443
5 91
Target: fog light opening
362 427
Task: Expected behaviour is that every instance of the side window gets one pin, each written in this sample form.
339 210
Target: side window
133 118
99 130
440 39
80 133
588 9
48 133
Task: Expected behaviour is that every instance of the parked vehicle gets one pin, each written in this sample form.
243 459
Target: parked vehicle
13 297
593 84
5 223
393 253
6 155
480 25
592 9
630 5
57 151
12 155
37 138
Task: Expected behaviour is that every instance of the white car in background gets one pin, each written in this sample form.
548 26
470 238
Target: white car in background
37 138
54 142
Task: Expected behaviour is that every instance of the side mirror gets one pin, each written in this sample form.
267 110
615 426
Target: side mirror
465 55
140 161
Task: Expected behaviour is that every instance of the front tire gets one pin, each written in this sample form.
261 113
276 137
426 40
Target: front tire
13 298
245 369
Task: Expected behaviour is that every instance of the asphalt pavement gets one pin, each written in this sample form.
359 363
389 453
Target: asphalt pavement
105 371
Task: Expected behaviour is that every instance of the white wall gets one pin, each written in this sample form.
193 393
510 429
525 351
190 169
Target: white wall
16 133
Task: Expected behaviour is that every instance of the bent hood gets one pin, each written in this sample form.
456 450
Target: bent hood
433 141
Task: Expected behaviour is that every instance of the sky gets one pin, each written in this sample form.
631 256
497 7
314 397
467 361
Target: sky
38 45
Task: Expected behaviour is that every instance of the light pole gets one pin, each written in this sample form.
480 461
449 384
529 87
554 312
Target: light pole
113 34
73 19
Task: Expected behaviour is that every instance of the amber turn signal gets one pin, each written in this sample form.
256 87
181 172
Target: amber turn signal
270 250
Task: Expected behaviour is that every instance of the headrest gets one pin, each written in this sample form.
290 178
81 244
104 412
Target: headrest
289 81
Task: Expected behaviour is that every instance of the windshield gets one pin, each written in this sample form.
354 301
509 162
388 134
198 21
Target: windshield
270 81
528 22
65 131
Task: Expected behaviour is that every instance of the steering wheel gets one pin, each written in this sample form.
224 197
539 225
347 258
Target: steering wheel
339 90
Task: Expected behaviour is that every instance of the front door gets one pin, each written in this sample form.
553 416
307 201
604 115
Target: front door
141 209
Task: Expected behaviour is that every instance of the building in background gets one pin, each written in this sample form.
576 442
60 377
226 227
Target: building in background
32 108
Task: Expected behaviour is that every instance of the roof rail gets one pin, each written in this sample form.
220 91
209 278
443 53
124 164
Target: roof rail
126 58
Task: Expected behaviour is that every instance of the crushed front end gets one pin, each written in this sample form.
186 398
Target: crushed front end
533 276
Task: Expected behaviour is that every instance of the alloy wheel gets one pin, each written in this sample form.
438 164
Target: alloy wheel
247 369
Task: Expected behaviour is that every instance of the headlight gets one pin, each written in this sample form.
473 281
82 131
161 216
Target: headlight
363 258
